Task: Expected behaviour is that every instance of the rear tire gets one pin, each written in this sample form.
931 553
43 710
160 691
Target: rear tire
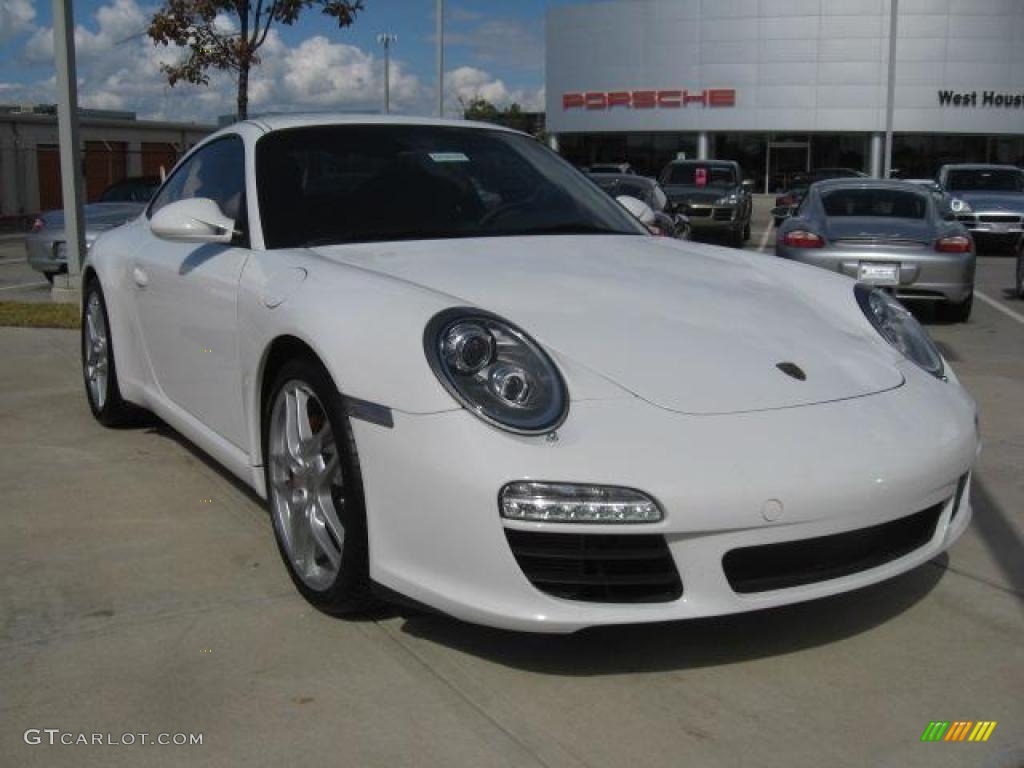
99 370
315 490
959 312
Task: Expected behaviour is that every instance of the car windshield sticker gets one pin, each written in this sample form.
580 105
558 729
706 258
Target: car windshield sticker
448 157
701 177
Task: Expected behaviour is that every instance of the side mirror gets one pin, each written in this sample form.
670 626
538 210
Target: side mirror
193 220
783 211
638 208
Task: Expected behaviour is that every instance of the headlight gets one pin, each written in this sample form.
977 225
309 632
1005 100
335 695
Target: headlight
496 371
897 326
959 206
727 200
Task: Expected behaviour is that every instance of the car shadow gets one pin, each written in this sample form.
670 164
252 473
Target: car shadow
690 643
999 535
687 644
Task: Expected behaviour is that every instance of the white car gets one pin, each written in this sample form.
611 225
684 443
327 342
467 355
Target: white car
462 375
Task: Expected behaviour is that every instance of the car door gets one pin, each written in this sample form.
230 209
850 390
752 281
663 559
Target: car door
186 295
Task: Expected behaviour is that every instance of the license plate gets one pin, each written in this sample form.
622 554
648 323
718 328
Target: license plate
880 274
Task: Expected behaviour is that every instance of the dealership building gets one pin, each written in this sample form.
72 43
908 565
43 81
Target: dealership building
785 86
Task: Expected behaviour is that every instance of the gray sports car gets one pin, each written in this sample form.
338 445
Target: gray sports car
46 243
987 199
887 233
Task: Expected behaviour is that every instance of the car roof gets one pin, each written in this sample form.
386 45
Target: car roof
623 177
269 123
829 185
980 167
703 162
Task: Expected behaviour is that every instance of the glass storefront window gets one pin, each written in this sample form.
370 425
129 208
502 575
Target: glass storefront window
648 153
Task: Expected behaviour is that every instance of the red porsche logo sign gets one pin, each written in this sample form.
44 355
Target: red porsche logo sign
669 99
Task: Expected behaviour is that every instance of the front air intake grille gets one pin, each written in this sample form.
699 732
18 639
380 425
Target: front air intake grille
793 563
723 214
598 568
1000 218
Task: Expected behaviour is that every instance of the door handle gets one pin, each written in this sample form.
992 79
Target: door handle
140 277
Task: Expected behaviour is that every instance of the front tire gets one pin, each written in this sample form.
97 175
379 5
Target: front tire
314 489
99 370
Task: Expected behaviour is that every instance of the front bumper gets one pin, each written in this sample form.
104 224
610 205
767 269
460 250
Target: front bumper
46 253
923 274
725 482
711 218
995 224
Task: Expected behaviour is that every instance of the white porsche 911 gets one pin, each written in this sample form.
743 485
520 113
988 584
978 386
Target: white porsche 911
462 375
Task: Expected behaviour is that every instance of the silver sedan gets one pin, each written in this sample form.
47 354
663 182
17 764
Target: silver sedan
46 244
886 233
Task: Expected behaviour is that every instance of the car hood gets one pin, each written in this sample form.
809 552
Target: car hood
693 329
98 216
878 228
699 195
992 201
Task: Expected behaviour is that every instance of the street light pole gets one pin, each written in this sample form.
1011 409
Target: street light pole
386 39
67 131
890 106
440 57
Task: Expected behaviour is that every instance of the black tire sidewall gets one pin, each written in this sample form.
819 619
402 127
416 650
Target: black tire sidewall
350 591
112 412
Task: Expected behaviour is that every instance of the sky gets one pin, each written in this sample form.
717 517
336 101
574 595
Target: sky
493 50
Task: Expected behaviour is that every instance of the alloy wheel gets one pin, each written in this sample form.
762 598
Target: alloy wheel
306 485
97 350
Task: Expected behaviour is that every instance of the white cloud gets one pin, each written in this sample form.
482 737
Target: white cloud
119 24
119 68
465 84
16 17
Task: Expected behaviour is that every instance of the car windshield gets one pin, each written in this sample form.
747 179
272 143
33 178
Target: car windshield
987 180
360 183
886 203
141 191
699 175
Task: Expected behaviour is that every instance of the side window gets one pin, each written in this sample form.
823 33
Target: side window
216 171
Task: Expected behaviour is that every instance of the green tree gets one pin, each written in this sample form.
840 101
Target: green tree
191 25
511 116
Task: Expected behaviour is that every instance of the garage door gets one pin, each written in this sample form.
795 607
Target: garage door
106 162
48 164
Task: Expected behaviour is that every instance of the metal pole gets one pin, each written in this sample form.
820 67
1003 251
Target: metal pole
386 39
67 129
387 77
891 93
440 57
